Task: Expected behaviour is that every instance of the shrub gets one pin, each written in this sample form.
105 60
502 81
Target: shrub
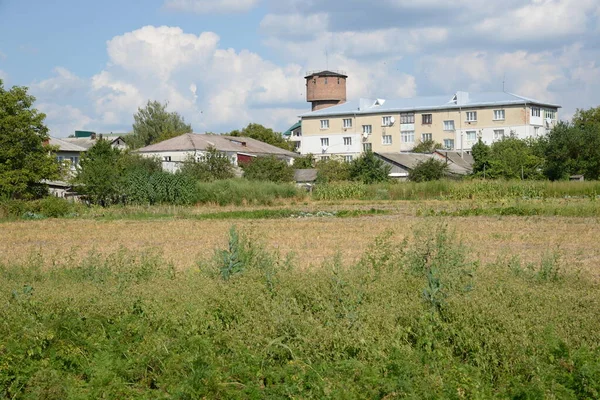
332 170
428 170
368 168
427 147
212 166
268 168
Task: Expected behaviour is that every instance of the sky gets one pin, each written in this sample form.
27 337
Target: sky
223 64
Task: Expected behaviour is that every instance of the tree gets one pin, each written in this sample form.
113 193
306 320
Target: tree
268 169
154 123
24 159
101 174
574 148
304 162
427 147
214 165
267 135
428 170
369 168
510 158
332 170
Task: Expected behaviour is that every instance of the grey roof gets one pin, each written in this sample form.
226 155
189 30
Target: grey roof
410 161
464 159
305 175
368 106
64 145
87 142
201 142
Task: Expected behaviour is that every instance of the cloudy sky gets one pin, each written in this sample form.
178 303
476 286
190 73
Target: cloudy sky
225 63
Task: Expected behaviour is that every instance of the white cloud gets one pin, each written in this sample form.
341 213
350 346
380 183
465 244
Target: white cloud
64 120
63 84
211 6
540 19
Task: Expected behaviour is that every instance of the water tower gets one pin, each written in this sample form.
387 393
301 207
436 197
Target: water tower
325 88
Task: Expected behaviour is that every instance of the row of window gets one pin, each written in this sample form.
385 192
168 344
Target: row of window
368 129
73 160
427 119
537 112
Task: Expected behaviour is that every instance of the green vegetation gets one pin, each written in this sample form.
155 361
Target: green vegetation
427 147
429 170
415 320
510 158
269 169
267 135
154 123
367 169
24 159
304 162
213 166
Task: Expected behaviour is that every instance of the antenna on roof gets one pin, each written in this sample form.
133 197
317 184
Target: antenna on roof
503 82
327 59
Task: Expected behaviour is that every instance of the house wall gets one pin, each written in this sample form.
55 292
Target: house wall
517 121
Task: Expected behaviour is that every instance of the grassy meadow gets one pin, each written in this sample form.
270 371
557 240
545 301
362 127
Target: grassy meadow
486 296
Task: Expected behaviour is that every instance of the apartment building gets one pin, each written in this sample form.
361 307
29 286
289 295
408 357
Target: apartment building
456 121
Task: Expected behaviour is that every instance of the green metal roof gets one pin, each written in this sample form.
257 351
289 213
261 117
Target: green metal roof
293 127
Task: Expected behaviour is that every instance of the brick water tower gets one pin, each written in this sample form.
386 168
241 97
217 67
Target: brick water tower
325 88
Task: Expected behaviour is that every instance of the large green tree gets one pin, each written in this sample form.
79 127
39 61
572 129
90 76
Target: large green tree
428 170
510 158
153 123
268 168
267 135
101 174
25 160
574 148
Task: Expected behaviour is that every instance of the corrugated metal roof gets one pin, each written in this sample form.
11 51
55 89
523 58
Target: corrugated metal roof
485 99
305 175
292 128
88 142
201 142
411 160
64 145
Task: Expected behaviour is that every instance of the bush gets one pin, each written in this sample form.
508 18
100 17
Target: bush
428 170
332 170
368 168
268 168
213 166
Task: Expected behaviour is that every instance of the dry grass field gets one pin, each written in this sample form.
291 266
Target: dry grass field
312 240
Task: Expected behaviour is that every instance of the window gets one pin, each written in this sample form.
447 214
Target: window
471 136
367 147
471 116
167 158
408 136
386 121
449 144
347 122
498 134
60 159
386 139
535 112
426 136
324 158
551 114
324 141
74 160
407 118
427 119
348 158
498 115
347 141
368 129
536 131
449 125
326 80
324 124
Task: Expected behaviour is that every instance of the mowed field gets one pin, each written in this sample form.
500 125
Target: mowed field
312 240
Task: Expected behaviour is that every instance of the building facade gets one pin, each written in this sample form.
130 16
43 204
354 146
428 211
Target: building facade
455 121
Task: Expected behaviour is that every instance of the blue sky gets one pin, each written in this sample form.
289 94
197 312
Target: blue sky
223 64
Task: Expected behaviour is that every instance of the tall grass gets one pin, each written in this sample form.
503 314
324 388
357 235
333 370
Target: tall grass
241 192
417 319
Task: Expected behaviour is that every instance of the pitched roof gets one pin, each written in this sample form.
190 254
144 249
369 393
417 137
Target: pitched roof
64 145
369 106
292 128
201 142
87 142
410 161
305 175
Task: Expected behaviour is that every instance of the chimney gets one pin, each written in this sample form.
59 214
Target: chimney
93 136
